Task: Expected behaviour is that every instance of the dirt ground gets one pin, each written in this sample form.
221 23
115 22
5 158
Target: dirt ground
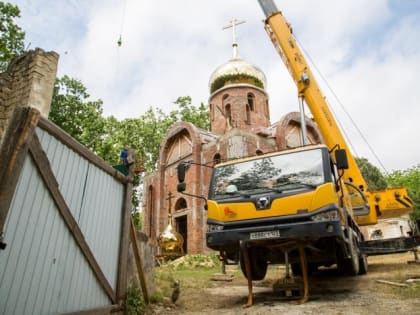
328 293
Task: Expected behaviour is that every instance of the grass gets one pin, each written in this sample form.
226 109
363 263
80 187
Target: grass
191 271
413 291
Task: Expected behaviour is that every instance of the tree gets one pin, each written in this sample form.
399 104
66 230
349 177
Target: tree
372 175
145 133
72 111
11 35
82 118
199 116
410 179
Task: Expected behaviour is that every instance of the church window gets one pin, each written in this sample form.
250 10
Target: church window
217 158
248 115
228 113
251 101
181 203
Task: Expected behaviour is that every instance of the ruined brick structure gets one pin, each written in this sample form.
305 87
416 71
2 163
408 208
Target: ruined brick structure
28 81
240 126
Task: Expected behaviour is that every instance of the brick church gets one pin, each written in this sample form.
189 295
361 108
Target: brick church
239 126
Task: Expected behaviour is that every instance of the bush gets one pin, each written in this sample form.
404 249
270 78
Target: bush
134 301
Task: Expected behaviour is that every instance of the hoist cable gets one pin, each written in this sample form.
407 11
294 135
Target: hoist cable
344 110
123 19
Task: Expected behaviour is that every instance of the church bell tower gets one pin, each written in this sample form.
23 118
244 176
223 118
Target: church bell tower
237 94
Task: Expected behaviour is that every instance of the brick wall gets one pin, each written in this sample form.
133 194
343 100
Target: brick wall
237 98
28 81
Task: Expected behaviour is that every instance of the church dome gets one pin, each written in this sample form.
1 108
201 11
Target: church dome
236 71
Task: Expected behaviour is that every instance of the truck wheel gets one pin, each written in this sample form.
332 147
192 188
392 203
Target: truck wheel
363 263
350 266
257 262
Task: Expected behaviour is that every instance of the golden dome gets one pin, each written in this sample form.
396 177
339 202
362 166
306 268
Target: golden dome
236 71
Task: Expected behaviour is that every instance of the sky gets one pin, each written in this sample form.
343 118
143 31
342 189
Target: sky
365 56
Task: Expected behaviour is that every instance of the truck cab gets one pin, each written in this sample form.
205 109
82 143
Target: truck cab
282 198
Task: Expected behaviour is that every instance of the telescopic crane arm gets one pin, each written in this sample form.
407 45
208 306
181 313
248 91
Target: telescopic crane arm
391 202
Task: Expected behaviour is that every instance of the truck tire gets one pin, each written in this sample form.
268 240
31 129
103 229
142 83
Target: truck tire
258 264
349 266
363 269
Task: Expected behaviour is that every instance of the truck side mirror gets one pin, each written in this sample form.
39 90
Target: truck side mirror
341 159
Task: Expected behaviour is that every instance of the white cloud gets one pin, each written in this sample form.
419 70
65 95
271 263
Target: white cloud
368 51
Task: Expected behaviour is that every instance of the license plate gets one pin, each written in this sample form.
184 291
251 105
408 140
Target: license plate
264 235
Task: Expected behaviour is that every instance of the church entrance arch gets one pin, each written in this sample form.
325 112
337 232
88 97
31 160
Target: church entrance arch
181 227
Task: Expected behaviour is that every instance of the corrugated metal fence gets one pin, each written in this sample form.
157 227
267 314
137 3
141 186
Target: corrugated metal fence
64 215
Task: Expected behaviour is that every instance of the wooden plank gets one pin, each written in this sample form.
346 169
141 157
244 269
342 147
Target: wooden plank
12 154
124 243
110 309
73 144
44 167
139 263
396 284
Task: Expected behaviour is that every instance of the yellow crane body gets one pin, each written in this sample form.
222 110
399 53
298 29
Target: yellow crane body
387 203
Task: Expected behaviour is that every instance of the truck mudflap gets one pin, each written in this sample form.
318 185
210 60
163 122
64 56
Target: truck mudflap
389 246
309 230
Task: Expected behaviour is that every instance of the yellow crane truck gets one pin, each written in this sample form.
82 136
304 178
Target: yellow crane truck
302 207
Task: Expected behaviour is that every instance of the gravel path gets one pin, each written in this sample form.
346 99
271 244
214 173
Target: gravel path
329 294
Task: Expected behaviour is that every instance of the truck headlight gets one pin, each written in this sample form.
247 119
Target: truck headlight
214 227
325 216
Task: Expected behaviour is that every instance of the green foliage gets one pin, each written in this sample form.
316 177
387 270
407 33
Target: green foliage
138 220
411 292
149 129
82 118
410 179
196 261
72 111
235 78
199 116
134 302
372 175
11 35
191 271
75 113
145 133
164 279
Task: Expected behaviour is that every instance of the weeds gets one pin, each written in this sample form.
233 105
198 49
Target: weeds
134 301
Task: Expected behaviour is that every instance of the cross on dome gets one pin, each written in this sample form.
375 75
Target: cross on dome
233 23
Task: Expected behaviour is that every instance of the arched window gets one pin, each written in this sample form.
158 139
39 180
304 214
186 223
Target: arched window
259 152
217 158
228 114
251 101
248 115
181 203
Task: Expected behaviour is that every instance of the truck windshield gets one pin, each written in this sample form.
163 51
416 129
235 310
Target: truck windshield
279 173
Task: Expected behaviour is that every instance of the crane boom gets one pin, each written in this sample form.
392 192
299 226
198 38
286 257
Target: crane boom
389 202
